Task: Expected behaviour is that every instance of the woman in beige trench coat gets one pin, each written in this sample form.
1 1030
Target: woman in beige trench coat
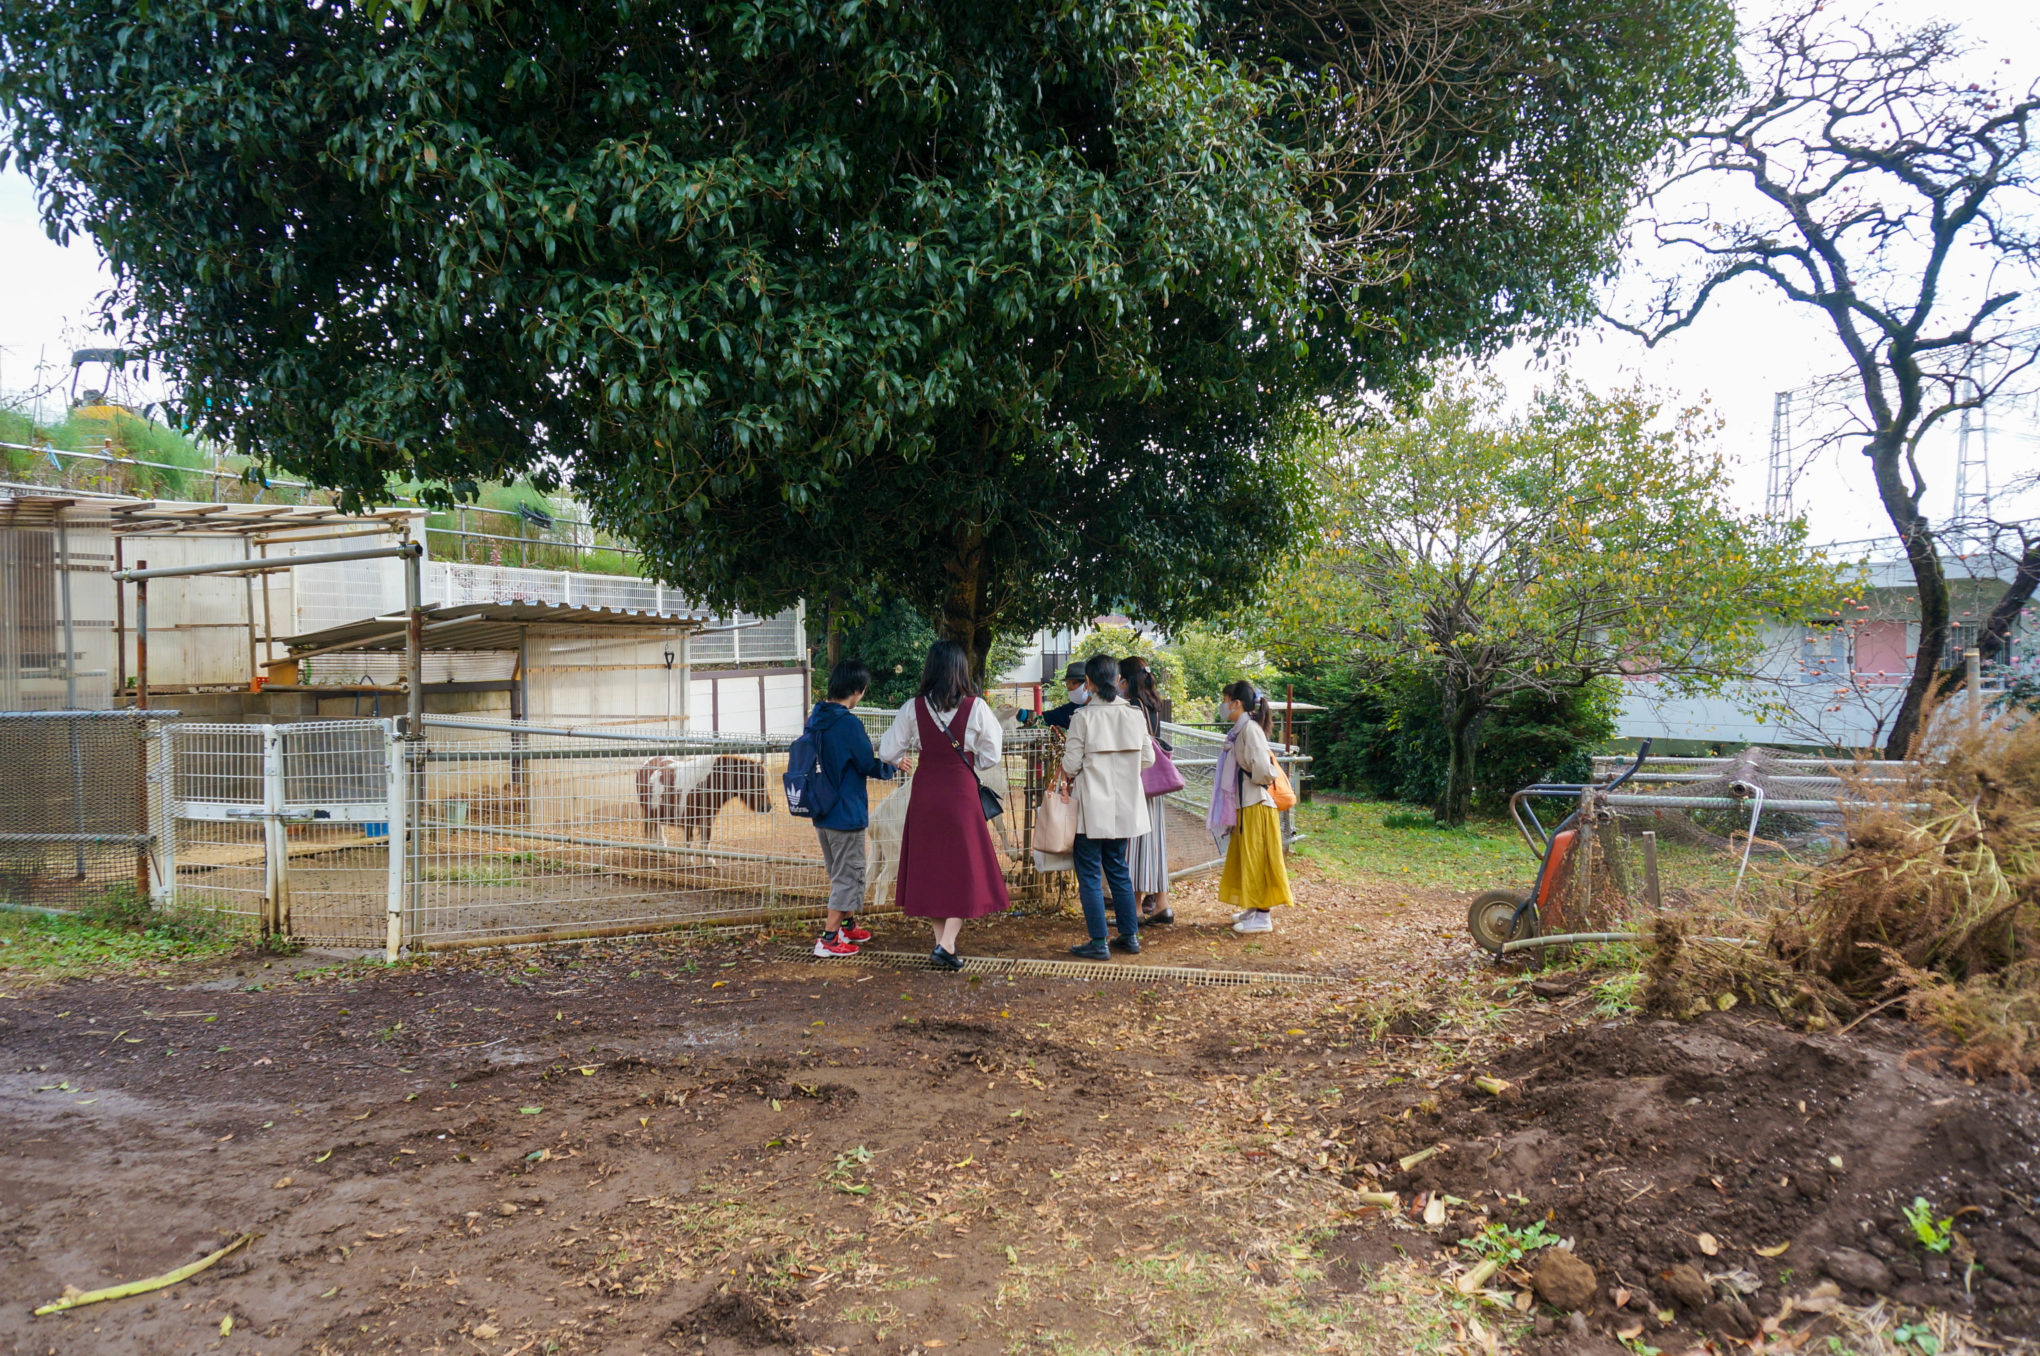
1108 745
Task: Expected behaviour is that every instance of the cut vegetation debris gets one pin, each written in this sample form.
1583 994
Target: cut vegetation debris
73 1298
1935 911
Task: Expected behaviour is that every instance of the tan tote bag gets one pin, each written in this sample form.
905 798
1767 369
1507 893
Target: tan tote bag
1055 825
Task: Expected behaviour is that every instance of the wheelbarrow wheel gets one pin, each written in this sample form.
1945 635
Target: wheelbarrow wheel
1490 916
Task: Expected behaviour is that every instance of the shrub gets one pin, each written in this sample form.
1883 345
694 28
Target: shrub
1384 737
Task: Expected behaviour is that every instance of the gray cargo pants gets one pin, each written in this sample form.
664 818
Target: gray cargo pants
843 855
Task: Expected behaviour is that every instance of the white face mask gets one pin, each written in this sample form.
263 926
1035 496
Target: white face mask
1081 696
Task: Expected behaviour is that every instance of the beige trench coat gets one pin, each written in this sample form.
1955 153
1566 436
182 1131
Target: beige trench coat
1107 748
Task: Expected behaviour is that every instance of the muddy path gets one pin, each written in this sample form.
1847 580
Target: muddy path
703 1146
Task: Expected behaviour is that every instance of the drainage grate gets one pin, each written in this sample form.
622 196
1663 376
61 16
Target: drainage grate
1069 969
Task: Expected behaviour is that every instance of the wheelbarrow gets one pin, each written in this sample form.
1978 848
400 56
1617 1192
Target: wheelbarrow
1498 917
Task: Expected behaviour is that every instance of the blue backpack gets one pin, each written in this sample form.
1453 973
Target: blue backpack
809 791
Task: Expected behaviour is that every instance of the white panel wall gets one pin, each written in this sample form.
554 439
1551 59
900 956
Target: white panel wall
737 706
785 704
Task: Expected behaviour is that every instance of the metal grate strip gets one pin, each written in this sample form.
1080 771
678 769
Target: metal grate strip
1111 972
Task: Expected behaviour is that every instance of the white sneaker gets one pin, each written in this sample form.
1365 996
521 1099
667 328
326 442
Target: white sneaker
1255 920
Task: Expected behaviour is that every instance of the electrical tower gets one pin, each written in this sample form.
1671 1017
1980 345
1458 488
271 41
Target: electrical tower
1778 488
1971 515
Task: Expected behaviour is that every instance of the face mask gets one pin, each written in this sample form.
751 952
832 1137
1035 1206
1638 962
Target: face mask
1081 696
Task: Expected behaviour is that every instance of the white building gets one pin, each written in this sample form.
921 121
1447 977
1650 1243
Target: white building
1836 681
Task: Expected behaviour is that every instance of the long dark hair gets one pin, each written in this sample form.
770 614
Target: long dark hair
1141 689
945 677
1255 700
1103 671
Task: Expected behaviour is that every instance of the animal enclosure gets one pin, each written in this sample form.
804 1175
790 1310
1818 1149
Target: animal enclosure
504 831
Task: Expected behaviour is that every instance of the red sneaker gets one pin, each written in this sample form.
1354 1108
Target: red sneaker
838 947
850 932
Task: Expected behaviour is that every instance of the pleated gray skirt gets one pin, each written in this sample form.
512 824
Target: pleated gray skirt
1147 857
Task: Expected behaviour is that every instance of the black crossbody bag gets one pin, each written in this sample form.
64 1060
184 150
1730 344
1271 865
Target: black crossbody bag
988 799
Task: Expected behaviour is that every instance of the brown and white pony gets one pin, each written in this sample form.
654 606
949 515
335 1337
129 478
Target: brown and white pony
691 791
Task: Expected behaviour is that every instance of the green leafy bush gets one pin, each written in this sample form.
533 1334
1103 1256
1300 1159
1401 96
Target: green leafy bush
1384 737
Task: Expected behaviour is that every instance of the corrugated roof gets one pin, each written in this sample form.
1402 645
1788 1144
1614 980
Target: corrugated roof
494 626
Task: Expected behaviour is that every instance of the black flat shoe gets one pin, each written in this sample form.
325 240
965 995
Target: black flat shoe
1091 951
1130 945
945 960
1158 916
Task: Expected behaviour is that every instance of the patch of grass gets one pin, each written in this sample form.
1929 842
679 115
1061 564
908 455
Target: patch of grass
120 930
1616 995
1382 839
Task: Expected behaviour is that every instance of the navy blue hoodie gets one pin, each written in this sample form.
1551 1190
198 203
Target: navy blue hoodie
847 759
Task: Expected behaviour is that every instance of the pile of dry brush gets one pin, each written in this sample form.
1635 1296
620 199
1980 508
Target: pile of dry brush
1934 909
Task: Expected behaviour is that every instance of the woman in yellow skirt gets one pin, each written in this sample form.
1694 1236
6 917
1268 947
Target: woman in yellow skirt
1243 819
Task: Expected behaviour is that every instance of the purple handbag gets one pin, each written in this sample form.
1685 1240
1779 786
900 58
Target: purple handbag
1160 777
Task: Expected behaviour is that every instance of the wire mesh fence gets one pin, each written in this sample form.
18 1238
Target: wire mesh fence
530 832
81 807
513 832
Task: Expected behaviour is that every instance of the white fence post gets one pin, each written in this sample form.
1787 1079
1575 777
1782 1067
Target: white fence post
395 776
275 836
162 780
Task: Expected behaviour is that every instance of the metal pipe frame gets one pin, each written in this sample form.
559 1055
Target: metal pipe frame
410 551
118 713
622 845
706 737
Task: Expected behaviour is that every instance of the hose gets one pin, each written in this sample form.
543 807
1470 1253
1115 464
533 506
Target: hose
1574 938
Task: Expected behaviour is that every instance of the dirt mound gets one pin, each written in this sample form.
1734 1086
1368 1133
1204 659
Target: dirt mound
1657 1145
737 1316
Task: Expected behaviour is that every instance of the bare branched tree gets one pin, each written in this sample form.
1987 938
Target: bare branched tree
1897 198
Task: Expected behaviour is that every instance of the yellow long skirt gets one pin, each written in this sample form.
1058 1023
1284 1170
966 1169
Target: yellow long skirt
1255 877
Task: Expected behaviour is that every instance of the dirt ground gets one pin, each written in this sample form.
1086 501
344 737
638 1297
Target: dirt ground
699 1145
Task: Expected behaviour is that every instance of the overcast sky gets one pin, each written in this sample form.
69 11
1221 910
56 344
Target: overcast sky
1748 346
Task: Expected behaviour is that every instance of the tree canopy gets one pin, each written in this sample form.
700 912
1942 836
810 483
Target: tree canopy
1491 554
999 309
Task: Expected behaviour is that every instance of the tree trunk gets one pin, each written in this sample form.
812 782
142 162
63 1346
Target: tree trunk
1461 712
835 629
1995 638
967 612
1922 552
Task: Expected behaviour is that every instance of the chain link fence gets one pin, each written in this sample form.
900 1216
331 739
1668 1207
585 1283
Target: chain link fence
81 807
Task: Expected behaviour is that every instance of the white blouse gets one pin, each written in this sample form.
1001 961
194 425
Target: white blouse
982 738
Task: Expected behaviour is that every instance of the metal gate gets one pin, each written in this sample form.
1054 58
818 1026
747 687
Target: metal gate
290 826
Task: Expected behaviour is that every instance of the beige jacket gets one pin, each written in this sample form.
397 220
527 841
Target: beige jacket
1107 748
1257 760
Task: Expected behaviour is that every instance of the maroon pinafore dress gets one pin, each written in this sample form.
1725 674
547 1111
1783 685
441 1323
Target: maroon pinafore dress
948 865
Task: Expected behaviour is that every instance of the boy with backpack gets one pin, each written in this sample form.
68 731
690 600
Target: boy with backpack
826 772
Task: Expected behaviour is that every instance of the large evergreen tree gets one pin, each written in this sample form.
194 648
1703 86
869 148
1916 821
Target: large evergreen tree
998 308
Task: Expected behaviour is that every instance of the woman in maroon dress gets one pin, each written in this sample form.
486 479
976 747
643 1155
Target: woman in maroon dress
949 868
